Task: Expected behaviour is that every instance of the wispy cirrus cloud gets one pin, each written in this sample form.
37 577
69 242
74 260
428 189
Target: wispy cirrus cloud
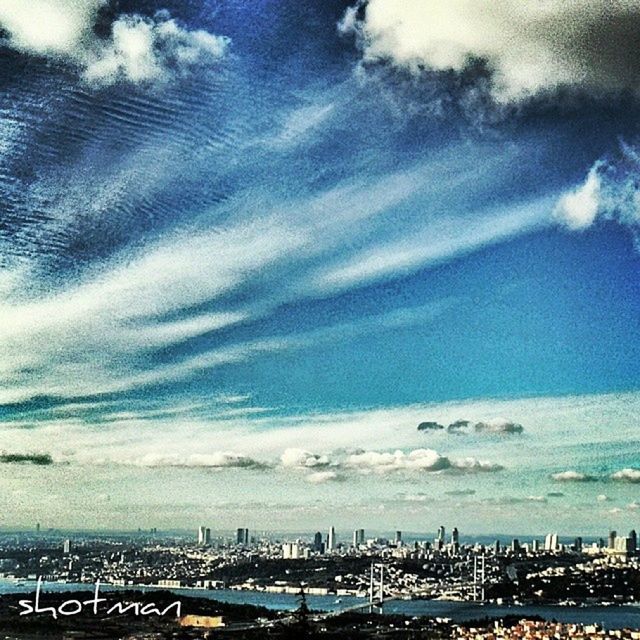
143 301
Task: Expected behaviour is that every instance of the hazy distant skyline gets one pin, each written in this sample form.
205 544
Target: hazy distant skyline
245 249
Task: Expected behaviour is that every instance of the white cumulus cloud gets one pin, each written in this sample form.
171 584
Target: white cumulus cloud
415 460
609 192
572 476
579 207
138 48
144 49
528 45
384 462
320 477
475 465
627 475
293 458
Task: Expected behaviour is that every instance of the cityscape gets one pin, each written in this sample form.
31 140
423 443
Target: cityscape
514 571
375 578
319 320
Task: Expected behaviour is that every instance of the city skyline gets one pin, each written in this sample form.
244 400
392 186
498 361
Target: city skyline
272 262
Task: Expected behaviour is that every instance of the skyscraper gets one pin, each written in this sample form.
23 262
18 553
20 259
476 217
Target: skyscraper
66 547
358 537
398 537
317 542
612 539
551 542
290 551
331 539
455 537
439 541
633 541
202 535
242 536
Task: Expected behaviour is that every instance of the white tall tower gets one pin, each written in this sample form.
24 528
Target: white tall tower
331 539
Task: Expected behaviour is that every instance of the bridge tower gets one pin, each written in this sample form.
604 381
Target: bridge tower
372 585
479 576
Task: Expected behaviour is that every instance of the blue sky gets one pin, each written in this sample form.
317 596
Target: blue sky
222 222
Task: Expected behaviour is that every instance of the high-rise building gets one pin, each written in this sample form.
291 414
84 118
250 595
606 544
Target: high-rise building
515 545
331 539
398 537
439 541
496 547
622 545
551 542
577 545
242 536
358 537
317 542
535 546
633 541
66 547
202 535
612 539
291 551
37 527
455 536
